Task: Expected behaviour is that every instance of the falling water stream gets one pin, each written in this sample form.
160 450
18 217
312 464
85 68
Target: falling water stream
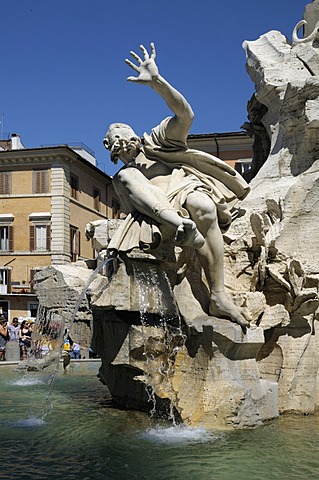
151 298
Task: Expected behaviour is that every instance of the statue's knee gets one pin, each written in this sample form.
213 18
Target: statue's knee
209 214
202 206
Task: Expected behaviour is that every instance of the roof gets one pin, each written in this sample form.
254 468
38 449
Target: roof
220 134
48 150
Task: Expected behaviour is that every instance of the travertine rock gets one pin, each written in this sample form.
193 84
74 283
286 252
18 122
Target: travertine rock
283 240
59 289
274 316
211 379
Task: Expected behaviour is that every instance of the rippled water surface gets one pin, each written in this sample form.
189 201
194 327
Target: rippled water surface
76 435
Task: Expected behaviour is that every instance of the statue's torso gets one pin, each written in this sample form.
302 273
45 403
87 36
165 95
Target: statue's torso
155 171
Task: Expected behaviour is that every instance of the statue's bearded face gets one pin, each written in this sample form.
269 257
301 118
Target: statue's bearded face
122 142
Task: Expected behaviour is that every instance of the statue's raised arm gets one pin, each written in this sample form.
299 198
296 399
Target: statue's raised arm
148 74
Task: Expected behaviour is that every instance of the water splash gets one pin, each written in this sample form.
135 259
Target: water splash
29 422
179 435
26 381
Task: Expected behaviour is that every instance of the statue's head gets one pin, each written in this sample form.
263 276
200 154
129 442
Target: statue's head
122 142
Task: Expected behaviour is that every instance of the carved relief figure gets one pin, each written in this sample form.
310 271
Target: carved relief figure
167 187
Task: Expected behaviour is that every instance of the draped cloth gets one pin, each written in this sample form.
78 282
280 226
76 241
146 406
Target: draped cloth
192 170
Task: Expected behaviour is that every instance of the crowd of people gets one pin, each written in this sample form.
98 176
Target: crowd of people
18 336
18 333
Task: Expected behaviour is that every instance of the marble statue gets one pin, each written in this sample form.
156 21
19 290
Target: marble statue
211 372
165 187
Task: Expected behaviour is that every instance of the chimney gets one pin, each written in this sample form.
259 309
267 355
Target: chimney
16 142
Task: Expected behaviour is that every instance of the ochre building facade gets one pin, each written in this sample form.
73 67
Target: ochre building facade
47 196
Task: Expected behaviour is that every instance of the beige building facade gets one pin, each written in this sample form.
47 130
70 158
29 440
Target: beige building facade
47 196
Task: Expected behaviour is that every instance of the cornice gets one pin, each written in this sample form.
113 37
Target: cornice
23 157
52 155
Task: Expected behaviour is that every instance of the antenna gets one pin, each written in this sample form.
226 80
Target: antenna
2 126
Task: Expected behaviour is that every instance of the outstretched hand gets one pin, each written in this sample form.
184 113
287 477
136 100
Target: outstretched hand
147 69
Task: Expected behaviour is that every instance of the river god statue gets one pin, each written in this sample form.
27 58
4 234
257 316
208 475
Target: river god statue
166 186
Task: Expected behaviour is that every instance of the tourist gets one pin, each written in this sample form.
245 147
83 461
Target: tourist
67 345
4 337
24 339
76 351
14 329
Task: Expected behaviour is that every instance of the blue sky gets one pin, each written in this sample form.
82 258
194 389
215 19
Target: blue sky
63 75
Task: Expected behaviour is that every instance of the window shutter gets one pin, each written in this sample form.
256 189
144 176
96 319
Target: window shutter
10 238
5 183
45 181
40 181
2 183
96 199
77 242
48 242
32 237
32 273
116 209
8 281
74 185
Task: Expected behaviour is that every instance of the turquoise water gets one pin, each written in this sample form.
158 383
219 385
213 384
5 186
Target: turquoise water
82 438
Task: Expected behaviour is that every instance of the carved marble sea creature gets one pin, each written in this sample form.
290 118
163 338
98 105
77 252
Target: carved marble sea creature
313 36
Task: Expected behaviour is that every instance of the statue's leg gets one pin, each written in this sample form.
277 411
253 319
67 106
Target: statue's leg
211 257
136 192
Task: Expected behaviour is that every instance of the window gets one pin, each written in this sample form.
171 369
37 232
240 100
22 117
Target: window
5 280
116 208
4 309
243 165
246 167
96 198
33 309
6 238
40 181
74 243
74 185
40 237
5 183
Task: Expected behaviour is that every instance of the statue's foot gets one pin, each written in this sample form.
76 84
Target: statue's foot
221 306
187 235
